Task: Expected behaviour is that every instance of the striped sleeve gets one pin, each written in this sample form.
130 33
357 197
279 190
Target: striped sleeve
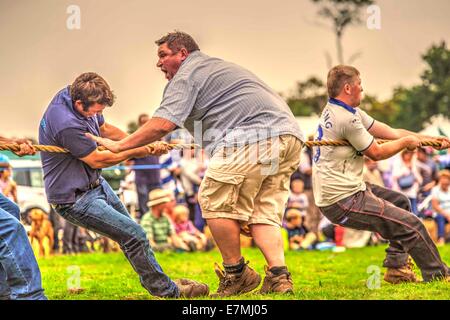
179 98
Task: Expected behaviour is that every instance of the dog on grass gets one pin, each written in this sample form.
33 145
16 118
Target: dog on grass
41 232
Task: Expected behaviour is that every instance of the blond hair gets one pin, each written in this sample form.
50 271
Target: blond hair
444 173
291 214
180 210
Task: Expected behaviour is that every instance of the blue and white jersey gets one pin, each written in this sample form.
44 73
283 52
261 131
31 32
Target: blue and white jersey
338 171
169 162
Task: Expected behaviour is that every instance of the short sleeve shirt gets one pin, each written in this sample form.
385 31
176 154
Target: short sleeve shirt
222 104
443 197
338 171
62 126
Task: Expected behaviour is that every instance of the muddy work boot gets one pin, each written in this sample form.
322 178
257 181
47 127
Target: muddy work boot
236 283
191 289
401 275
277 280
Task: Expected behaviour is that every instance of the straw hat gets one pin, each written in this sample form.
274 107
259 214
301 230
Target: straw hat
158 196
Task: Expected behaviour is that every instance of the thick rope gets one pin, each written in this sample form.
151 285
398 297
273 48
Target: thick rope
38 147
338 143
309 144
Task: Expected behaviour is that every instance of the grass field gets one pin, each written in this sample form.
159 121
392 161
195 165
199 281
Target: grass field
316 275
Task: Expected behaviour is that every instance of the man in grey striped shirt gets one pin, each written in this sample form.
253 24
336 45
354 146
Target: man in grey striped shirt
254 142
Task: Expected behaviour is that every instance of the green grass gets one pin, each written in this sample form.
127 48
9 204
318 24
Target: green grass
316 275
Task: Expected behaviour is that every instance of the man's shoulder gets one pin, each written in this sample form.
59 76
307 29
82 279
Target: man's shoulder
346 118
60 118
334 117
200 65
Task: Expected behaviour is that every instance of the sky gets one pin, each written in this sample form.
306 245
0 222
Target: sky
280 41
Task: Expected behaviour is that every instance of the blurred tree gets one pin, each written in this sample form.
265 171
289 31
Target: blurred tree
384 111
309 97
419 103
342 14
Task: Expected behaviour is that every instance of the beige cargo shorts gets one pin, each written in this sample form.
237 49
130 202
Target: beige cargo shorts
250 183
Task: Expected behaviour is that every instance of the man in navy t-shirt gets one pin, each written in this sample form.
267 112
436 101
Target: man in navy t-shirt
79 194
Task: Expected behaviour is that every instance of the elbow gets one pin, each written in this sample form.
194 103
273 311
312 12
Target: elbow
96 165
375 153
375 156
165 127
163 131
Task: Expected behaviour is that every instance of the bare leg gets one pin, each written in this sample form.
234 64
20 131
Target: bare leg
226 233
269 240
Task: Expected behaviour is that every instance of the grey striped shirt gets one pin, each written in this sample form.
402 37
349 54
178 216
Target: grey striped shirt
223 104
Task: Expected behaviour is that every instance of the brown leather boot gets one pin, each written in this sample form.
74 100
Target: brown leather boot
191 289
401 275
232 283
277 283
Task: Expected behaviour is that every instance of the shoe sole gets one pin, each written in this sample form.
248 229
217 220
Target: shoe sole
288 291
401 280
246 289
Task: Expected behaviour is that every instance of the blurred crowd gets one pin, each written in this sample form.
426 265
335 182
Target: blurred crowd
161 193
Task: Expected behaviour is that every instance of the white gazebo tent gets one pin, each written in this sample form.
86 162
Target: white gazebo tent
438 125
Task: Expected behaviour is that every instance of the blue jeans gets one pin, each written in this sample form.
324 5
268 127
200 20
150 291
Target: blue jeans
414 208
441 222
101 211
20 278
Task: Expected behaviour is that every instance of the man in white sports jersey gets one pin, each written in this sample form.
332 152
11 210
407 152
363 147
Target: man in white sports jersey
345 199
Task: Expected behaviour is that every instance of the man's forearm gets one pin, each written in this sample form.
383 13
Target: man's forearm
107 158
141 138
403 133
381 130
153 130
112 132
392 148
5 140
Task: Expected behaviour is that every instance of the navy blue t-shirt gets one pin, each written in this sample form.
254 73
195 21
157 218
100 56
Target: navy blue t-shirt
63 126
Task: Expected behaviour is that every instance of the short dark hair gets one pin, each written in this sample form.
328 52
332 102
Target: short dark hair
177 40
90 88
338 76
